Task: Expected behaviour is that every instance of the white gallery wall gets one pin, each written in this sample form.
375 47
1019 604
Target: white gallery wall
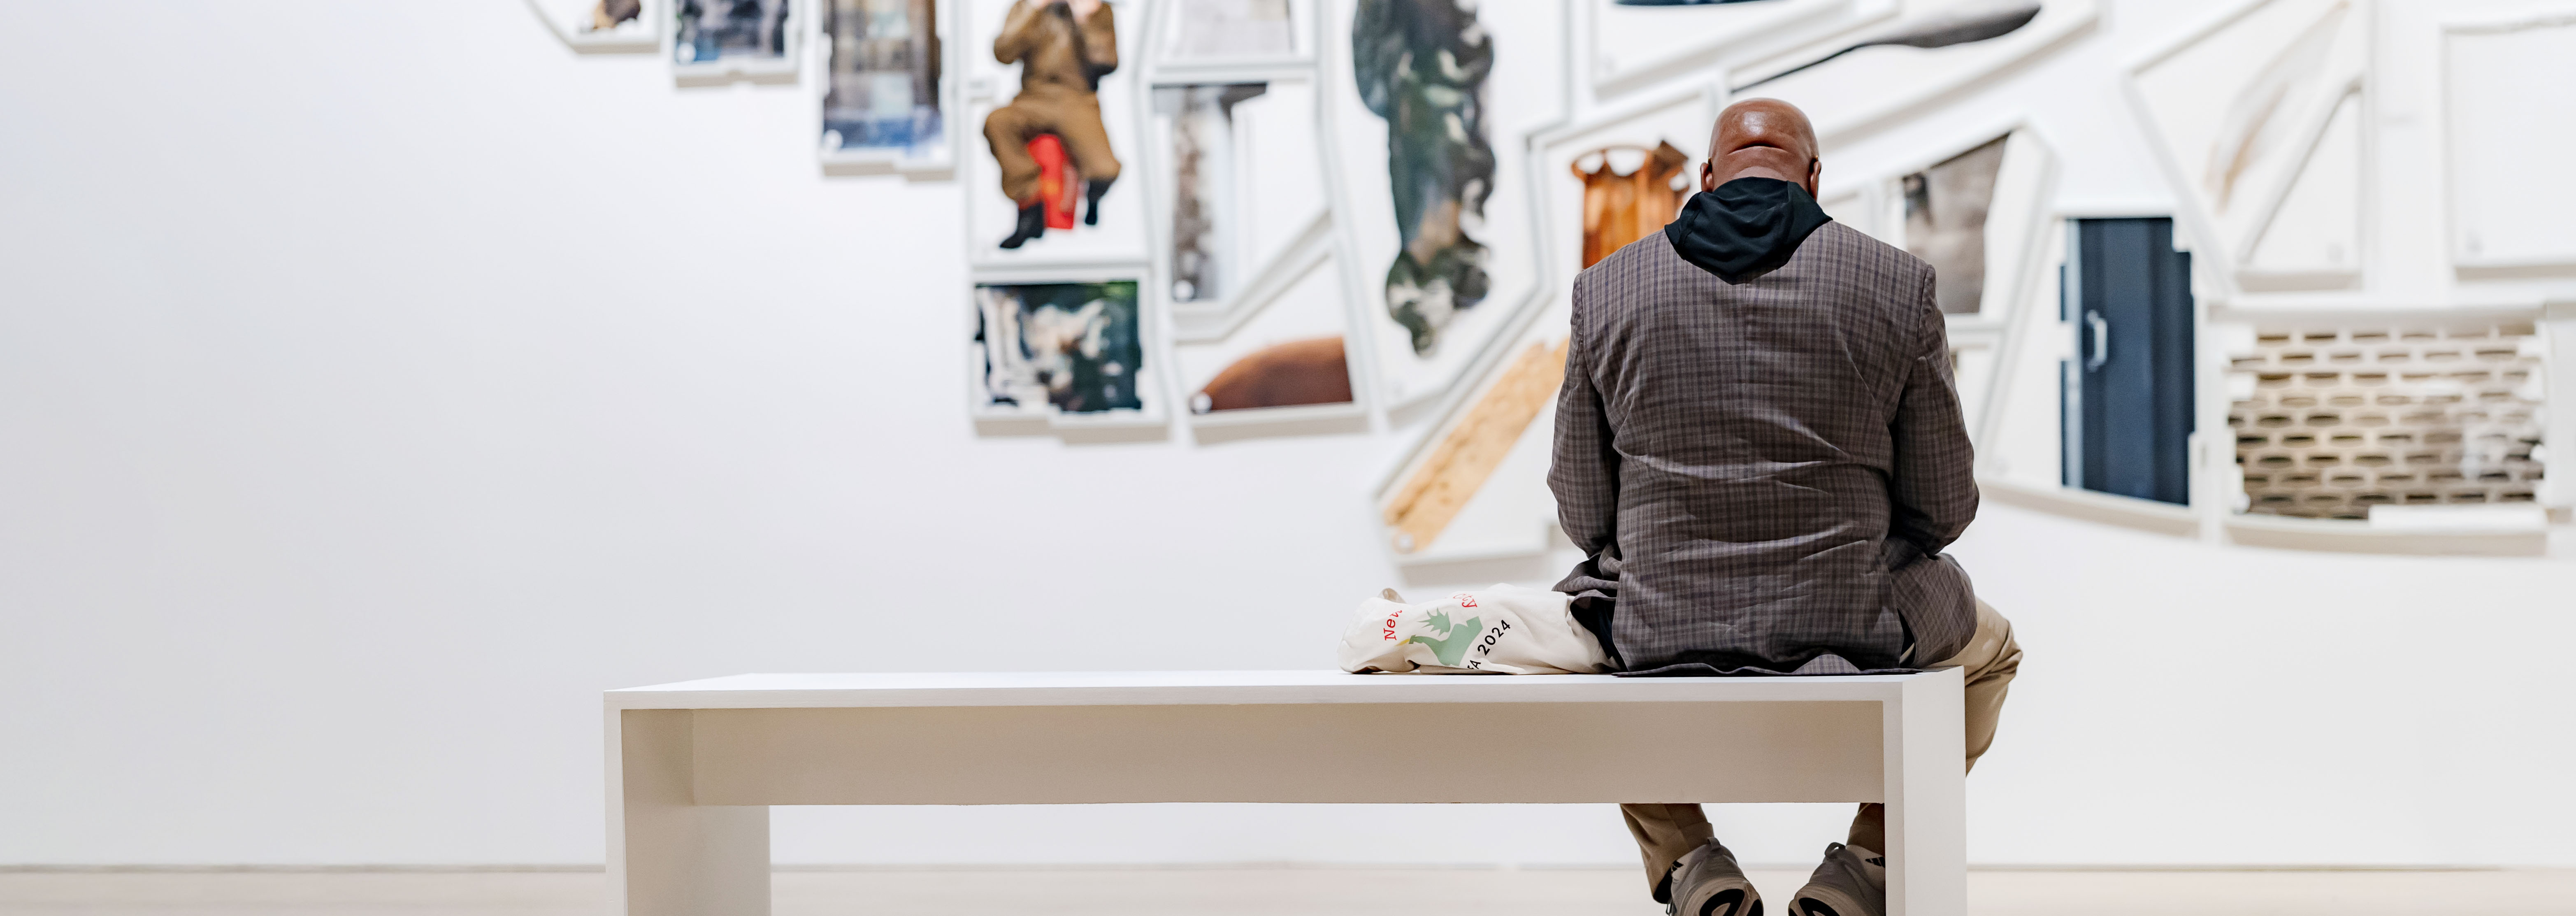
379 382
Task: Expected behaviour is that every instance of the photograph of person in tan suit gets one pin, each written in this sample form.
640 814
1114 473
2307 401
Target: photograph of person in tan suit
1063 48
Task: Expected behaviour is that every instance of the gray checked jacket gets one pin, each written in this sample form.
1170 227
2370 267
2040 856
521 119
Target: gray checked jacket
1762 475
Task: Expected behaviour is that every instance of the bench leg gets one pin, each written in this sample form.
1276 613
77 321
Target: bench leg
1927 798
668 856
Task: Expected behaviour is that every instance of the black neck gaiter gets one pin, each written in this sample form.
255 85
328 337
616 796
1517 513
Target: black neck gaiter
1745 228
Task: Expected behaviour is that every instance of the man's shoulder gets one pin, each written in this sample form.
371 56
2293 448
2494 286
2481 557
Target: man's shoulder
1650 254
1844 248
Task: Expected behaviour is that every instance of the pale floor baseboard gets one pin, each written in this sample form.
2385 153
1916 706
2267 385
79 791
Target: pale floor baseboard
1266 892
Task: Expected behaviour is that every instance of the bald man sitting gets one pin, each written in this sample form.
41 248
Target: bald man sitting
1760 452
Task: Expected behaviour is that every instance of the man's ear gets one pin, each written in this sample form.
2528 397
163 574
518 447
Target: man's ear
1708 175
1815 176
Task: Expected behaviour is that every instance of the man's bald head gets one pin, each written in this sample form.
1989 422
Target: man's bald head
1762 138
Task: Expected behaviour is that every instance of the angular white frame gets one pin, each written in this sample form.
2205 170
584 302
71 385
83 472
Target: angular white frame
2024 186
567 28
1559 249
2226 252
2351 114
2018 220
1759 30
1265 284
1872 103
1313 247
1411 396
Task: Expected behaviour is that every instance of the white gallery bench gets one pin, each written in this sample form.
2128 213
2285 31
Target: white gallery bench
693 767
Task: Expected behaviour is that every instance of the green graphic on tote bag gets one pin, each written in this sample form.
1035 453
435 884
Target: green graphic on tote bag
1454 639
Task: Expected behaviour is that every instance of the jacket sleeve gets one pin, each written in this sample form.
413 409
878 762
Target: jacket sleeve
1583 473
1019 31
1100 40
1933 490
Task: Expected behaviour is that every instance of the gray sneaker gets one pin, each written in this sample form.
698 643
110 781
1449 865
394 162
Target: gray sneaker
1707 882
1850 882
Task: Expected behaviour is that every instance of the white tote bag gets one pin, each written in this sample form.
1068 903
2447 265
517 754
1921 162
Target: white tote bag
1505 629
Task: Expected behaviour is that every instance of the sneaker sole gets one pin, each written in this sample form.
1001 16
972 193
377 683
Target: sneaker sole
1733 901
1812 903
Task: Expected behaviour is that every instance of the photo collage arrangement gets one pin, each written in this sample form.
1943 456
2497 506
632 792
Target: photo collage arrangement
1289 217
1163 159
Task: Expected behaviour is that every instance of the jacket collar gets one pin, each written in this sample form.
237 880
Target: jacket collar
1745 228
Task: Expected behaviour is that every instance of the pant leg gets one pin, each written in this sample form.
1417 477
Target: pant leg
1664 833
1086 139
1009 129
1991 659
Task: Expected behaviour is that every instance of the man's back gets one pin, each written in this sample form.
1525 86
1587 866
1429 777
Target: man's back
1763 471
1759 450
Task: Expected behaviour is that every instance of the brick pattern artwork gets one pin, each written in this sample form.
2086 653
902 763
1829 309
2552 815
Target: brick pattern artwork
2343 419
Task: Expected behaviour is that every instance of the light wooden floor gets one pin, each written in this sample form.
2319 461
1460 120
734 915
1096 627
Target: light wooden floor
1197 892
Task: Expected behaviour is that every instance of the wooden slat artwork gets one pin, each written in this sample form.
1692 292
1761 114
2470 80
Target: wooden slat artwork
1468 454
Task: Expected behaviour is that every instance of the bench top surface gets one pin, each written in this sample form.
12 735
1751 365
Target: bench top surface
1112 688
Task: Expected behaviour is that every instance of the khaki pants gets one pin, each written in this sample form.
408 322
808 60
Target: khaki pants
1666 832
1073 116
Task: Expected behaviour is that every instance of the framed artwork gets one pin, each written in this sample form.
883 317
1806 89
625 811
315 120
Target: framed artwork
1061 353
2313 240
1631 46
1240 197
2509 227
1206 151
1284 369
1973 210
604 26
1977 210
1618 174
1630 191
1430 103
1856 81
719 40
886 96
1242 227
1474 489
2250 110
1048 185
1474 486
1943 210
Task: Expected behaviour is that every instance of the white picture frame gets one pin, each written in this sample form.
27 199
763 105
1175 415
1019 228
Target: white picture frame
1528 92
1149 419
2266 79
1874 202
1277 279
2504 228
1175 59
1121 237
1630 48
936 159
784 67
